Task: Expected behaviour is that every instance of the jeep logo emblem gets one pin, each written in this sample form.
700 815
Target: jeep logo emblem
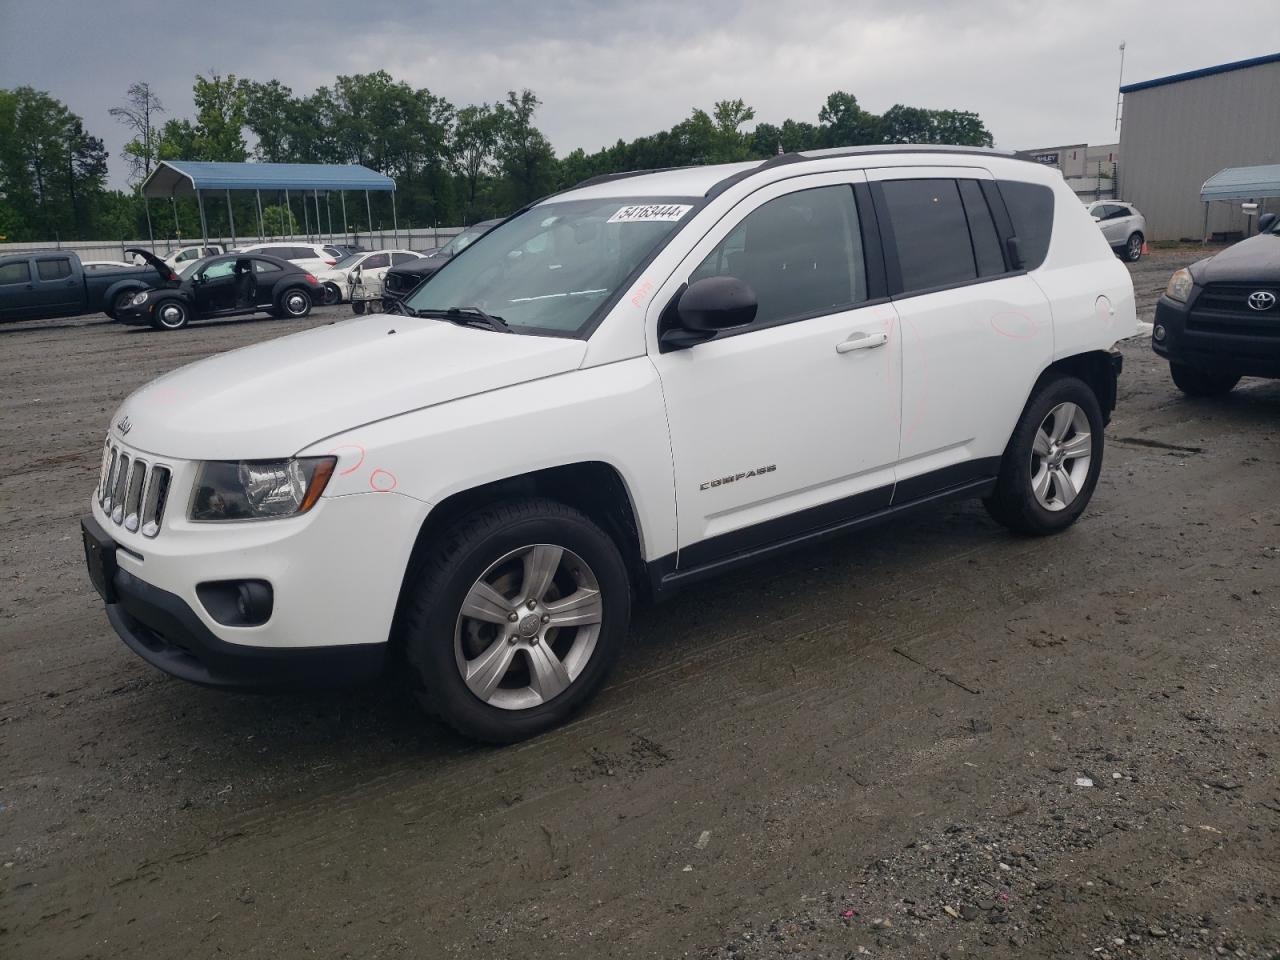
1262 300
124 426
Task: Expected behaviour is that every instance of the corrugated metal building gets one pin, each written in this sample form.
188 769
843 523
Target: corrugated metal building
1179 131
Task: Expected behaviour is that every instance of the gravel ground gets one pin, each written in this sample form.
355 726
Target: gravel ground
929 740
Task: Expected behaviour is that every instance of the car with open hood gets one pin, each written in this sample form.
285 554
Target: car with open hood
1219 319
625 388
227 285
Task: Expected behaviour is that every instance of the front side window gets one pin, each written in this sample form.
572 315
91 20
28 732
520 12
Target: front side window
550 269
53 269
801 254
931 233
223 268
16 272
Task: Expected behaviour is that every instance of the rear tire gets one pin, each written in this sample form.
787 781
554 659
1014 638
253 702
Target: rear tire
332 295
357 306
1051 464
170 315
1199 382
1133 248
514 619
295 303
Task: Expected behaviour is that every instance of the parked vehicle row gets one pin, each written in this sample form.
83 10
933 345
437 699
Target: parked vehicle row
624 388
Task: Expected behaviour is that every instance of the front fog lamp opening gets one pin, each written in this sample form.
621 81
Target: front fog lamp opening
1159 332
259 489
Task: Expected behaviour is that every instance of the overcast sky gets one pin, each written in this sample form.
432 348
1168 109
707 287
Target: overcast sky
1038 73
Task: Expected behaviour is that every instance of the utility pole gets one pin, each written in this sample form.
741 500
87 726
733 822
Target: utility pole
1119 95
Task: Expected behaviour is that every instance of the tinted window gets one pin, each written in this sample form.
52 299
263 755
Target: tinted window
53 269
377 260
1118 211
982 229
931 233
802 254
398 258
333 252
18 272
264 266
1031 210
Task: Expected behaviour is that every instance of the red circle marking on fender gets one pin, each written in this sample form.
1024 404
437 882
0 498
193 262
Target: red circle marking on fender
1014 325
382 481
348 446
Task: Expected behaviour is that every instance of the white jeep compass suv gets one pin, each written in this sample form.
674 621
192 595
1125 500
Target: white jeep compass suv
625 387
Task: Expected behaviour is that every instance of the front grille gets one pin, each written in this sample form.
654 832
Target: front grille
132 491
1224 308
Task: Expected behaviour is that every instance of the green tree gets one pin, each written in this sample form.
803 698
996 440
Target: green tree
472 143
279 221
845 124
523 154
902 124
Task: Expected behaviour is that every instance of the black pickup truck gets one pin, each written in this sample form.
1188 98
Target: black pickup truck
52 283
1219 319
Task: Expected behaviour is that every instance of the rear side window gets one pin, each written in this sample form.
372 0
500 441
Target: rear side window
333 252
801 253
982 230
399 258
931 233
16 272
1031 210
376 261
53 269
264 266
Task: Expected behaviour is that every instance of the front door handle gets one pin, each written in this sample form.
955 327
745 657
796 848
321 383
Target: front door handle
862 341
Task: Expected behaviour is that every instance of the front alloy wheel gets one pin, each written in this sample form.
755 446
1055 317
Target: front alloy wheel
528 627
1133 249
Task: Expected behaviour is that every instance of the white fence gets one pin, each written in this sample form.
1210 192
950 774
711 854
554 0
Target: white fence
419 238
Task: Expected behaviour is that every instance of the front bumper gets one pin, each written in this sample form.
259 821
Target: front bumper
135 316
1220 345
164 630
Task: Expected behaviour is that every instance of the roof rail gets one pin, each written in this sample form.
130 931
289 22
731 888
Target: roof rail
607 177
867 150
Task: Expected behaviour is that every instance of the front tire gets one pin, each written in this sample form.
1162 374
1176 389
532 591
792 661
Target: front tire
295 303
121 303
332 295
515 618
170 315
1133 248
1051 465
1199 382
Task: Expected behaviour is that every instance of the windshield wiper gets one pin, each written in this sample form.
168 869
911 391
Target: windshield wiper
399 306
470 317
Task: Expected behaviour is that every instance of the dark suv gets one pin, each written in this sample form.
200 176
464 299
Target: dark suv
1219 319
401 281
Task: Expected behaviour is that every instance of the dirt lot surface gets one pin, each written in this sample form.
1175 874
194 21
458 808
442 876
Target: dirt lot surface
930 740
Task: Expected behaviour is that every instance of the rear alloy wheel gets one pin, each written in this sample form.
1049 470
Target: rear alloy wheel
332 295
515 619
1051 465
1133 248
170 315
295 303
1199 382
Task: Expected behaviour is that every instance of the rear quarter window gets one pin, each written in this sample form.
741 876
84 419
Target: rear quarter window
1030 208
53 269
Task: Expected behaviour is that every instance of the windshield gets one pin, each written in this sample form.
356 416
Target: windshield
461 241
348 261
190 267
550 268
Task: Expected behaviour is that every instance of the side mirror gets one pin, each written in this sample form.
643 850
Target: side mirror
1097 219
1266 222
702 310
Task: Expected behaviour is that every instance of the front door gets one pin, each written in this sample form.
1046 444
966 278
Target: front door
790 424
216 290
16 289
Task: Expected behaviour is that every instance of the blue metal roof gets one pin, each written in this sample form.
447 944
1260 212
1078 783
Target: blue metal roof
184 177
1243 183
1203 72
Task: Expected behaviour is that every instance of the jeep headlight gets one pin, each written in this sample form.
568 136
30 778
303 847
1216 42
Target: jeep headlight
259 489
140 298
1180 285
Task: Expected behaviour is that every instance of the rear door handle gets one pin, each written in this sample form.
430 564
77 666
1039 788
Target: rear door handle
862 341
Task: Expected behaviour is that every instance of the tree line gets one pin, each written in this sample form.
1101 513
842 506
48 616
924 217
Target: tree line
452 165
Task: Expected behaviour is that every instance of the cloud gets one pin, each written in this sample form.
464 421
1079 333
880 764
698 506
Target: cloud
1038 74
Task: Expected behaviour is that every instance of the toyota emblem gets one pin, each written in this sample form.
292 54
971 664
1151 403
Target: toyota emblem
1262 300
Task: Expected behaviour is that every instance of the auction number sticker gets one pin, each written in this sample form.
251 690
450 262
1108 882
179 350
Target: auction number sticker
651 212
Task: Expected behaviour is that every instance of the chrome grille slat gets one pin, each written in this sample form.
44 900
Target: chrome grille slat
132 492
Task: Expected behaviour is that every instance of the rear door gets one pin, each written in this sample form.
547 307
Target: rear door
58 287
16 289
975 330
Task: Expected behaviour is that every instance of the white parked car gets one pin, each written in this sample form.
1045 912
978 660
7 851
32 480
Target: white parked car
1122 225
185 256
627 387
372 265
312 257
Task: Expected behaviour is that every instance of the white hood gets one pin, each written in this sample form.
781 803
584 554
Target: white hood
273 399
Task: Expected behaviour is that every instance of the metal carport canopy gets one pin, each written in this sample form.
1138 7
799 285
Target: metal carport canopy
182 178
1243 183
